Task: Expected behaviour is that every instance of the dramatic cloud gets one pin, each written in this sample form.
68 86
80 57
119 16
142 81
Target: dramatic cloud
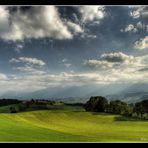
141 44
92 13
116 61
65 37
117 57
42 81
120 68
45 80
37 22
44 21
75 27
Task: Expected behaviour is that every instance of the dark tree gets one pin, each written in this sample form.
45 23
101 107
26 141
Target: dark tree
145 105
141 108
32 101
96 104
13 110
5 102
119 107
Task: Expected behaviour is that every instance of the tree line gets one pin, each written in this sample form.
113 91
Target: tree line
4 102
101 104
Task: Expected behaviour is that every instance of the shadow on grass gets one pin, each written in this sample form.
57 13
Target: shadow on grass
30 109
101 113
122 118
78 111
63 108
119 117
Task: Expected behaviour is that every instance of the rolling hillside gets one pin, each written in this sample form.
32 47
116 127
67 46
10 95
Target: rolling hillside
70 124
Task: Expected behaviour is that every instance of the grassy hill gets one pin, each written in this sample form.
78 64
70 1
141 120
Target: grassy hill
70 124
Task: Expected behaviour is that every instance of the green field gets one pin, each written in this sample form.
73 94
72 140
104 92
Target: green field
69 124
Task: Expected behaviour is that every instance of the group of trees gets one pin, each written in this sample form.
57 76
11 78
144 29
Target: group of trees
31 104
4 102
39 102
101 104
141 109
96 104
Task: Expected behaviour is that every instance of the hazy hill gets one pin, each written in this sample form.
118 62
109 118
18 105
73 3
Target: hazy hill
131 93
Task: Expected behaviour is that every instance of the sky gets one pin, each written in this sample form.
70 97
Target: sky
62 47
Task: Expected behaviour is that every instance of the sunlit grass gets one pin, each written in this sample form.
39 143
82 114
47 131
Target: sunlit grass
70 125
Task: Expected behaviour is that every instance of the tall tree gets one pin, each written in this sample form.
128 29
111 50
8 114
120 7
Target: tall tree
96 104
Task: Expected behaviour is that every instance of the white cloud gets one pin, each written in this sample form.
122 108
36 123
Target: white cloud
30 70
120 67
116 61
13 60
129 28
32 61
28 61
117 57
98 64
141 44
45 21
136 11
64 60
135 14
33 82
139 11
139 26
91 13
75 27
3 76
37 22
31 66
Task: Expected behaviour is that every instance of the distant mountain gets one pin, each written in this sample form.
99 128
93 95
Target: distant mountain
130 97
132 93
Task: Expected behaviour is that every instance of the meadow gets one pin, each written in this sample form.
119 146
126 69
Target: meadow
69 124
